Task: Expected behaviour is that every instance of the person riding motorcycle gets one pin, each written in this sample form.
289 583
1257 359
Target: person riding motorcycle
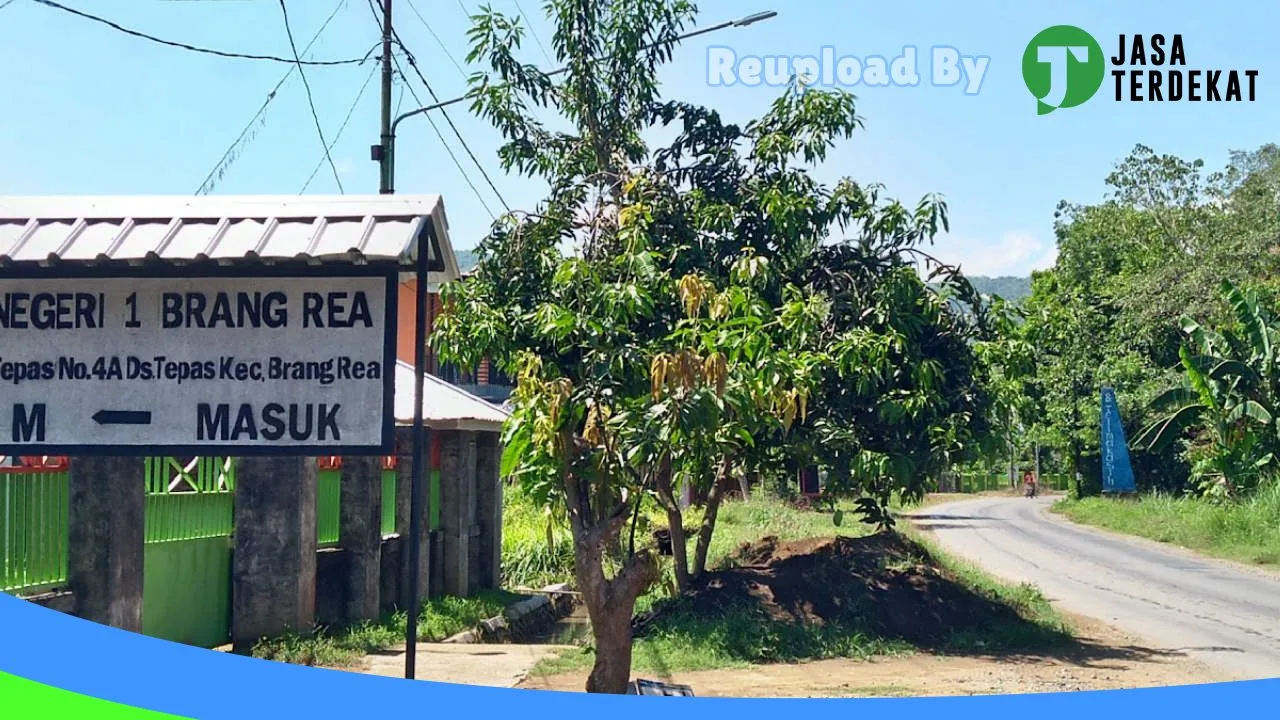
1029 484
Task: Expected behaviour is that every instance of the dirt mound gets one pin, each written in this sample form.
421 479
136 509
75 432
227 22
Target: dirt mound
880 584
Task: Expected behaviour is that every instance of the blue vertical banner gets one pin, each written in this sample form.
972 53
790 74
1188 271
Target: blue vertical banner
1117 473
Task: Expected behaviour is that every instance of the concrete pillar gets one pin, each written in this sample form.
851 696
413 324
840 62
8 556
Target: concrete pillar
458 510
404 478
107 513
273 567
360 533
489 509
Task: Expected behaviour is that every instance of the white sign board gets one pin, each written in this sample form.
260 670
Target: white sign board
294 364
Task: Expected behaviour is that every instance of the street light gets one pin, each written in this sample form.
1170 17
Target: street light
385 153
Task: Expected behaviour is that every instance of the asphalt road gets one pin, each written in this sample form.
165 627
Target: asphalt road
1224 615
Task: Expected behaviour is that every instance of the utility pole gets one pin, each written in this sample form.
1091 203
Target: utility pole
381 151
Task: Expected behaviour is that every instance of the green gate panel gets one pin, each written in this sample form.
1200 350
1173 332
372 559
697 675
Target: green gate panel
186 573
186 591
328 507
388 502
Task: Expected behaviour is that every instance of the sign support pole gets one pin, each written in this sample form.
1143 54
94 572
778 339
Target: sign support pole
419 447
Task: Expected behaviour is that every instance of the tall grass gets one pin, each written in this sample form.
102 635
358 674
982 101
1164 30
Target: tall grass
533 556
1247 530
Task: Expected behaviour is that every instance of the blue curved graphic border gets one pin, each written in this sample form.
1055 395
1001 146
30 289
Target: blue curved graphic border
102 662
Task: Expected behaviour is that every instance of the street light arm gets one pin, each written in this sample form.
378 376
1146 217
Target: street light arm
385 152
421 110
741 22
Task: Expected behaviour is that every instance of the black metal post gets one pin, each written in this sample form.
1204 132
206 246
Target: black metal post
419 447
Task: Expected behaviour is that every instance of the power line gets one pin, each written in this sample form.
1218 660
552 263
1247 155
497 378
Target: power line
445 144
439 42
341 128
532 31
5 4
465 11
220 167
377 19
310 101
193 48
400 97
436 98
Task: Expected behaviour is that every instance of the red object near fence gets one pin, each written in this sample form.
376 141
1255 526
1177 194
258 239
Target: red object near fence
34 463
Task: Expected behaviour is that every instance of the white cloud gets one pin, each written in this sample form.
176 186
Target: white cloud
1015 252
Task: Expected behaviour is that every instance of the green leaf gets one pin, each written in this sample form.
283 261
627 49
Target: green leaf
513 452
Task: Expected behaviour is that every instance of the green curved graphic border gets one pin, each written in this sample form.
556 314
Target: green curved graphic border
22 698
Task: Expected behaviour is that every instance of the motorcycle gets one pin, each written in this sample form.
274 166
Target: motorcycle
1029 491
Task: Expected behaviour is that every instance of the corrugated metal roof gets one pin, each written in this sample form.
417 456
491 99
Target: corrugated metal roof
443 405
177 228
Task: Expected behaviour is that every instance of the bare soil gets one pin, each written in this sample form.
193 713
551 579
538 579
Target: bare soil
1103 658
890 586
881 584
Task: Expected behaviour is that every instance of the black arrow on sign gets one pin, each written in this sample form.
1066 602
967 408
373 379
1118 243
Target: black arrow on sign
122 417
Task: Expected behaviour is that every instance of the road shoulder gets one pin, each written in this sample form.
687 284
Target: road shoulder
1157 545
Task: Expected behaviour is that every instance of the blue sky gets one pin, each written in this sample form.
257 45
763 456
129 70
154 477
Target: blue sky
88 110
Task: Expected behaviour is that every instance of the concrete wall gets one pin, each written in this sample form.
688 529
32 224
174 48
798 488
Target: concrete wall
280 580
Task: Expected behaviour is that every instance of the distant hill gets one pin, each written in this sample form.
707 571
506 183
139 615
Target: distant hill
466 259
1013 289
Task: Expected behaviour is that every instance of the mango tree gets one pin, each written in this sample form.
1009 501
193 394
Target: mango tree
674 315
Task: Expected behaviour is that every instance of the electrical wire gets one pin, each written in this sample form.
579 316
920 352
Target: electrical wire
439 42
220 167
532 31
400 97
445 144
310 101
193 48
341 128
377 19
5 4
436 98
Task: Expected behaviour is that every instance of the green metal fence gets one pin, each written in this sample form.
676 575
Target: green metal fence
976 482
33 529
189 499
329 506
388 502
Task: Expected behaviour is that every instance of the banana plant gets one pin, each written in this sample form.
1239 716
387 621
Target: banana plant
1229 398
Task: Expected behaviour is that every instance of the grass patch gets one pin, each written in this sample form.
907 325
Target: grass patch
684 639
1039 625
440 618
1245 531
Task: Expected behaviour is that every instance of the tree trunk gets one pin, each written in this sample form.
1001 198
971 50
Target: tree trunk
675 524
679 547
611 630
610 606
610 602
714 497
